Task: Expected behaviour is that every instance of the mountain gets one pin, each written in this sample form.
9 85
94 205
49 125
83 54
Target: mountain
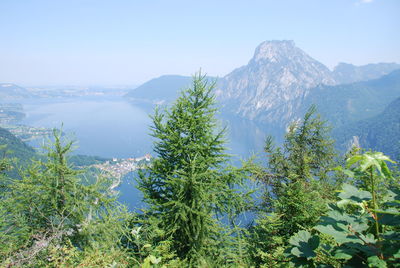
271 87
346 103
345 73
281 81
165 88
15 146
380 133
11 91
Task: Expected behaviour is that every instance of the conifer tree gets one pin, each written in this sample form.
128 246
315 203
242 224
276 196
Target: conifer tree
297 185
52 206
188 184
299 171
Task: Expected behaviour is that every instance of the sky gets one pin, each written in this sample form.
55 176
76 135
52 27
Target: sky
127 42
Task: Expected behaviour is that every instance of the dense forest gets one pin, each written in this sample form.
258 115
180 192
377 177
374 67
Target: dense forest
302 205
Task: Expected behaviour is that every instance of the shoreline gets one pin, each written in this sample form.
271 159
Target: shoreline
116 183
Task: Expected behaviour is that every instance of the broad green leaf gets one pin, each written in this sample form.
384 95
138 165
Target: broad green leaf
154 260
348 173
381 156
352 193
371 160
304 244
344 254
397 254
392 235
339 236
389 217
374 261
354 159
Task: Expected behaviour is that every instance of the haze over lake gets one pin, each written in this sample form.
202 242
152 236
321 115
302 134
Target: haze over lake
113 127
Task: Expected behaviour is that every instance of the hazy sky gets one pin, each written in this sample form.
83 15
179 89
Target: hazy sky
116 42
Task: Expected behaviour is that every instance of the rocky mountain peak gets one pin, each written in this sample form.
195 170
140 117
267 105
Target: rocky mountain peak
272 85
275 50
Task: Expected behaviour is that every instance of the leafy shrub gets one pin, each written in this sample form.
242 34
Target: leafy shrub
361 232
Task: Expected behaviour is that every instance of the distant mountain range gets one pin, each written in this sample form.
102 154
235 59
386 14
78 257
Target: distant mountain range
346 103
278 85
281 81
345 73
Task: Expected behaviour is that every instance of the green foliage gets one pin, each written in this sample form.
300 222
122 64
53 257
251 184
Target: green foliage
14 147
190 183
85 160
5 165
297 188
50 206
361 235
307 155
53 215
304 245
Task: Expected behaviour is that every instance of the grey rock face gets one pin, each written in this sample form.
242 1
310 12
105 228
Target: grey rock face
273 84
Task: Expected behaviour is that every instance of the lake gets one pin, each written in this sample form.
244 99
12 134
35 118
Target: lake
112 127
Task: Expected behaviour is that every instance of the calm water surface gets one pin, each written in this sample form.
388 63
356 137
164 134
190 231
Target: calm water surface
112 127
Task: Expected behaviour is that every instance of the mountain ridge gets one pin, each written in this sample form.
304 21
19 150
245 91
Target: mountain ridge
379 133
342 104
274 86
345 73
273 83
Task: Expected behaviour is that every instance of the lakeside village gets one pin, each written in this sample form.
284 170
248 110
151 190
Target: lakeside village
118 168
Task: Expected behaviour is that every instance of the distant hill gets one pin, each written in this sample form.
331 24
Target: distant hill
345 73
380 133
15 146
347 103
164 89
159 90
12 92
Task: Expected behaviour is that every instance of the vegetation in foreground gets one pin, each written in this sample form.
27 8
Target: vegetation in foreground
315 209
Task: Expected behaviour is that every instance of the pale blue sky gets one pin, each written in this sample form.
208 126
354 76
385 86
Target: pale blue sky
117 42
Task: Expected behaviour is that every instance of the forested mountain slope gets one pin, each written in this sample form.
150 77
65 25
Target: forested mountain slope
15 147
346 103
379 133
345 73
